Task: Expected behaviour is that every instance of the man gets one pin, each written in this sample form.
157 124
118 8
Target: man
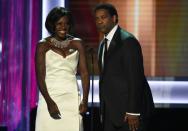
125 96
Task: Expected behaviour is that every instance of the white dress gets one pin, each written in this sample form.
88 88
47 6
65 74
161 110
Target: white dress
63 88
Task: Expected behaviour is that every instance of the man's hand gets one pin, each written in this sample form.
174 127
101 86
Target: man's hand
133 121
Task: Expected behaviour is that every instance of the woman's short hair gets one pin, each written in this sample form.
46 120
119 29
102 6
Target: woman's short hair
54 15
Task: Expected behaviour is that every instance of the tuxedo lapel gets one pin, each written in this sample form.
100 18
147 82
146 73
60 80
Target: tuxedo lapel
114 45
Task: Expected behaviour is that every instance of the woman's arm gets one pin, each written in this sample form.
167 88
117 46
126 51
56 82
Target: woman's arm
84 75
41 70
41 73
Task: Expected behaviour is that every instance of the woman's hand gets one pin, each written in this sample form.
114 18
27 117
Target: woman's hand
53 110
83 107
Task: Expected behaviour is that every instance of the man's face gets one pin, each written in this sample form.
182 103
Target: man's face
104 21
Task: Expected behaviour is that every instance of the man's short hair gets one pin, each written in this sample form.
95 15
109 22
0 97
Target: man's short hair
109 7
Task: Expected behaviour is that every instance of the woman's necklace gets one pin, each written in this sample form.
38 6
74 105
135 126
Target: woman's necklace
60 44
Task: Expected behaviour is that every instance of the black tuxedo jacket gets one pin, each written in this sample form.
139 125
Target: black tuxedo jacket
123 85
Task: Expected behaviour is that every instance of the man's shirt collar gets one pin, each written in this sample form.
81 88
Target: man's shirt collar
110 35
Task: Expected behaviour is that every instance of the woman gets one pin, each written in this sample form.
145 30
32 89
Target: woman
57 58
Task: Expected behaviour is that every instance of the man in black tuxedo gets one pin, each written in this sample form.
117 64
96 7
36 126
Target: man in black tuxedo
125 96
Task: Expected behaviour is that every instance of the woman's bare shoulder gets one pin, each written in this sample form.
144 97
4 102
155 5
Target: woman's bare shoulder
43 44
44 40
77 39
77 43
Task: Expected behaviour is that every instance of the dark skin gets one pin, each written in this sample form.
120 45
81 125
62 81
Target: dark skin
105 22
61 30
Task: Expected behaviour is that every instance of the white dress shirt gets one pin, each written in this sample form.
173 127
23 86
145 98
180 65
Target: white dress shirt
109 37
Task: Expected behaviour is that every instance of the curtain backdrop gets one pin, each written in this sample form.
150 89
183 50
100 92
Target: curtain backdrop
20 31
